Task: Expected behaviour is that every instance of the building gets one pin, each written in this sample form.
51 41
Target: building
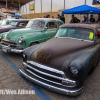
39 8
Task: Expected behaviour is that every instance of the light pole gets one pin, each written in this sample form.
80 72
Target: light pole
41 8
64 4
85 2
51 5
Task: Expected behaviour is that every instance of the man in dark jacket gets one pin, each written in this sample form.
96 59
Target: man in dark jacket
98 18
92 19
72 20
62 18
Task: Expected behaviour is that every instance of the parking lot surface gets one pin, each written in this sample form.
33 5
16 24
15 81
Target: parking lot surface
10 79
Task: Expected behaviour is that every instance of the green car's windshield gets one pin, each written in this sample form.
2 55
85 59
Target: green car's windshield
36 25
5 22
13 23
77 33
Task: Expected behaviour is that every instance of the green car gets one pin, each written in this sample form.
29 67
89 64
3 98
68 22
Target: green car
37 31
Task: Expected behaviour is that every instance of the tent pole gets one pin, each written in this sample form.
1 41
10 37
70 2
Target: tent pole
80 17
89 18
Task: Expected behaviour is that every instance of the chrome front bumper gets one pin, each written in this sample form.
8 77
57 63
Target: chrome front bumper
47 85
9 49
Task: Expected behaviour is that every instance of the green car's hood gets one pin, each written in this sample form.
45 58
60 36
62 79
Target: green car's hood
14 34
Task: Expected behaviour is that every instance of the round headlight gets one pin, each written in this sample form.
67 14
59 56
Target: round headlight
0 36
20 40
73 70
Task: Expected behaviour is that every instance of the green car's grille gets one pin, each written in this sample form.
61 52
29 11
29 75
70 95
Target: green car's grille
8 42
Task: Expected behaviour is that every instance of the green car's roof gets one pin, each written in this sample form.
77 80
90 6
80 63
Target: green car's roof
46 19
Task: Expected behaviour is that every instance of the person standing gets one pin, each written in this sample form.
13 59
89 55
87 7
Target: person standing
58 17
76 20
72 20
52 16
84 19
98 21
62 18
92 19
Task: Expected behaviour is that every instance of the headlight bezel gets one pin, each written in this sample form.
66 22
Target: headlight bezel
20 40
74 70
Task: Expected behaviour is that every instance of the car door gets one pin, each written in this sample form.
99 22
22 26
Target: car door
51 29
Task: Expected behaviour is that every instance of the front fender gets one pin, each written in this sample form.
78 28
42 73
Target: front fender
27 40
28 51
4 35
83 61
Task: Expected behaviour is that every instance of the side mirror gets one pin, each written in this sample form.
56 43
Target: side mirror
45 28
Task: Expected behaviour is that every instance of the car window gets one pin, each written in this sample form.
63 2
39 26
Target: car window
59 24
51 25
36 24
78 33
5 22
13 23
23 23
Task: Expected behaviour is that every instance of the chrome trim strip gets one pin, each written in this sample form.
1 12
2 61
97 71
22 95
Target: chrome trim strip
0 45
43 72
40 39
51 31
45 67
16 51
42 77
60 90
9 41
75 38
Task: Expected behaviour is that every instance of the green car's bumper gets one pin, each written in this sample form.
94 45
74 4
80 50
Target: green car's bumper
9 49
0 45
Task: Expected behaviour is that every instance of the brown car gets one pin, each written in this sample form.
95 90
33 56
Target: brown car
14 24
63 62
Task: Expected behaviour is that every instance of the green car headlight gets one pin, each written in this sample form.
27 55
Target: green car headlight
20 40
74 70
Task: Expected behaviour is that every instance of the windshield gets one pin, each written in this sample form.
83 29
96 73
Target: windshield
5 22
37 24
13 23
77 33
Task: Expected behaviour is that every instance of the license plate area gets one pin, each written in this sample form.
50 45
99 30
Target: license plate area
4 50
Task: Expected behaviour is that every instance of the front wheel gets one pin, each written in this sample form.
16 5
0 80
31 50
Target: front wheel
33 44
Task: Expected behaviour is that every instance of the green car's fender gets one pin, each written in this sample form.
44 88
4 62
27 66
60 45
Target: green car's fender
32 38
4 35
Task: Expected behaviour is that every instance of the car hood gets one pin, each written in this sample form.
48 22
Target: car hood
56 51
14 34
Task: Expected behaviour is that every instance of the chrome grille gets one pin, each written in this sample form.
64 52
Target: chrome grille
9 42
45 73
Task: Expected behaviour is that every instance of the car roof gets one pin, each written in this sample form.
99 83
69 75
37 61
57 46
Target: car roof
46 19
18 20
84 25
